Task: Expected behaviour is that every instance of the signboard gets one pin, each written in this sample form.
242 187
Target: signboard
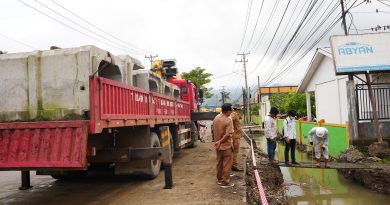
361 53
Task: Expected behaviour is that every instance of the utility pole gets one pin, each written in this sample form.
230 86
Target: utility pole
343 16
250 104
151 59
351 95
259 97
244 103
244 60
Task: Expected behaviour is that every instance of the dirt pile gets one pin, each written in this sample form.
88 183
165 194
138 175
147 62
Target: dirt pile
379 149
271 179
351 155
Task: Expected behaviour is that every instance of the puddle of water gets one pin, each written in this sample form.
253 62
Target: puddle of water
321 186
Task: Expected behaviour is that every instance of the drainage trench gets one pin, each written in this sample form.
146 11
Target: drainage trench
320 186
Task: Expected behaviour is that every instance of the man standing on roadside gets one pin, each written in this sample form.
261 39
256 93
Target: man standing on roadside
271 132
290 137
223 133
236 117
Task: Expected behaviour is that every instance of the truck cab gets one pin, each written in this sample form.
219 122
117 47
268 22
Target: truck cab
167 70
188 92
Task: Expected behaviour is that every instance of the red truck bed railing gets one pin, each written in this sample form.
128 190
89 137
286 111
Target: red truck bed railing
114 104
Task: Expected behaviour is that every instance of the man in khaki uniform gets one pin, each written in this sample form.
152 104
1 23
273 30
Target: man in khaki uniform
223 133
236 117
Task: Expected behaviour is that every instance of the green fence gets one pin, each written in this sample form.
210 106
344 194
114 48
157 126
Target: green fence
256 119
338 135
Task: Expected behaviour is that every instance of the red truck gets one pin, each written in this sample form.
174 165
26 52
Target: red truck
64 111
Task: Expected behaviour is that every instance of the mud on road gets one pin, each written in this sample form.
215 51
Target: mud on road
194 178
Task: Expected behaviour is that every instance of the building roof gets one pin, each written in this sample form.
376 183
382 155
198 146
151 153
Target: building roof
316 60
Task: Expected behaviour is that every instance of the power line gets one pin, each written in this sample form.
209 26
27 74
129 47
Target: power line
273 37
300 28
284 34
58 21
248 13
304 17
254 29
260 39
96 27
384 3
312 31
83 27
289 67
17 41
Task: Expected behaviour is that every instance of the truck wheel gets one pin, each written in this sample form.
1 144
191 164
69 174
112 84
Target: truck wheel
154 166
194 135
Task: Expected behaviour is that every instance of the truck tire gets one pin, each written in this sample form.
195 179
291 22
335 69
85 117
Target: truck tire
194 135
153 168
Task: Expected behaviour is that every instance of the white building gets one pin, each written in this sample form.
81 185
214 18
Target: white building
330 90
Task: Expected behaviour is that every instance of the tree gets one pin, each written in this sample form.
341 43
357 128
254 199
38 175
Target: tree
200 78
224 96
292 101
254 108
278 100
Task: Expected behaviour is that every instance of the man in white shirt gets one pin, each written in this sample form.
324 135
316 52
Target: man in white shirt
290 137
270 132
319 137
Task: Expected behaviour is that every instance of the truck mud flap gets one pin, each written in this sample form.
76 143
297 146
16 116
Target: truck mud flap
50 145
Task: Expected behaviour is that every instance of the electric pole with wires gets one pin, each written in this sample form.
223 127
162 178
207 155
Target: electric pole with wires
151 59
244 60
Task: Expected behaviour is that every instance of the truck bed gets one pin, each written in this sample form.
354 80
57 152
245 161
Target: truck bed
63 144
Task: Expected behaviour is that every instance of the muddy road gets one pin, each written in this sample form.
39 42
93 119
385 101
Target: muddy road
193 177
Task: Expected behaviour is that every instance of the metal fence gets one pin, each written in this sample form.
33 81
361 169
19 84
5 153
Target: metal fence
382 98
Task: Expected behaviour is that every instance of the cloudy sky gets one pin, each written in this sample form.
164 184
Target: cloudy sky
205 33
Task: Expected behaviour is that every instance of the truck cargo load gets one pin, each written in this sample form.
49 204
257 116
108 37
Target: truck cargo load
54 84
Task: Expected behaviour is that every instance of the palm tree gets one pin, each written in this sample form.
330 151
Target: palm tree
224 96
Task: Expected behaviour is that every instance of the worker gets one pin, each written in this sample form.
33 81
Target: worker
202 130
236 117
319 138
290 137
223 133
271 132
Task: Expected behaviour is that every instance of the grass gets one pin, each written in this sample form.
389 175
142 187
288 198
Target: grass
386 160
